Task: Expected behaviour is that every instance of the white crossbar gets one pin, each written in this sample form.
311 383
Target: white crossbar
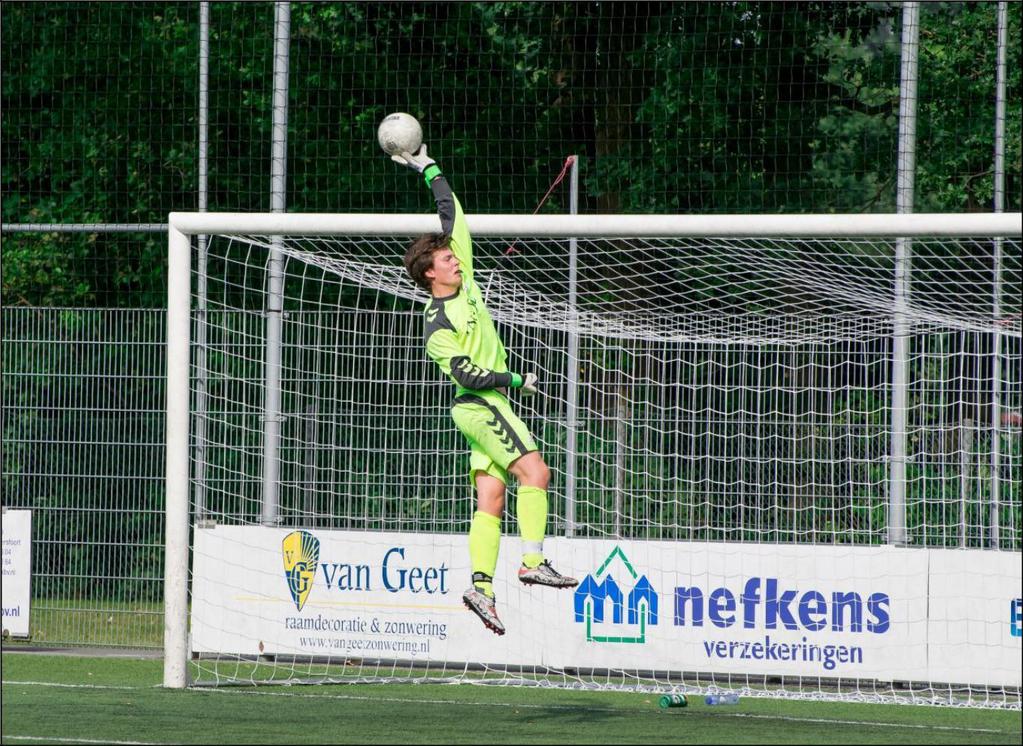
606 226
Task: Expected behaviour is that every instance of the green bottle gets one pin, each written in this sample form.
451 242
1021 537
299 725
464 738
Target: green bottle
673 700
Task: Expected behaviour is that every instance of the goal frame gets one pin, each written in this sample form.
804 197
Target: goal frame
182 226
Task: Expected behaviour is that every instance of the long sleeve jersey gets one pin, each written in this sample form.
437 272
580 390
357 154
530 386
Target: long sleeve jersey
460 335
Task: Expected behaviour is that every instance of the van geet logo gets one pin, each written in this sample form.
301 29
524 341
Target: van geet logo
301 554
396 573
765 603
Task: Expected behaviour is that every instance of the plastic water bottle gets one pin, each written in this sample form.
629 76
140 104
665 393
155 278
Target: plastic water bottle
722 698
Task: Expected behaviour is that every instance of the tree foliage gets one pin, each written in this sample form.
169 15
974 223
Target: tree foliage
673 107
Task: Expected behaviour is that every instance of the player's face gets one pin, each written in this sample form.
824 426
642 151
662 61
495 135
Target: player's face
446 271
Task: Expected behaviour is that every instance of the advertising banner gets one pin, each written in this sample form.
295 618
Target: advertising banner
349 594
17 571
745 608
975 624
757 609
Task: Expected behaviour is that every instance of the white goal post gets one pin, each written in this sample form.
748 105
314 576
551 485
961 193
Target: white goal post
847 307
603 226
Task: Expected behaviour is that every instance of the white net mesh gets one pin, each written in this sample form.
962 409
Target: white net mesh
723 393
751 291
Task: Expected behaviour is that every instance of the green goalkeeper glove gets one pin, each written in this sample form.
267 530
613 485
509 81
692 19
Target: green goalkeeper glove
528 386
418 161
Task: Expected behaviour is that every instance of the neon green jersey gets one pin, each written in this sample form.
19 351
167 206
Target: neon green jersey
460 335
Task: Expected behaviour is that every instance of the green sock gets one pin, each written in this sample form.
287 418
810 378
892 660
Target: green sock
484 541
532 515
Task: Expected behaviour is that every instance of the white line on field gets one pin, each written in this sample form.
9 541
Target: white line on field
858 722
399 700
7 682
79 740
787 718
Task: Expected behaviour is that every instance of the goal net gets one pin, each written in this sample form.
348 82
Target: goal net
785 455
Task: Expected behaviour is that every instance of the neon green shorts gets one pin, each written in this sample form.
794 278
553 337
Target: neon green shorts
496 435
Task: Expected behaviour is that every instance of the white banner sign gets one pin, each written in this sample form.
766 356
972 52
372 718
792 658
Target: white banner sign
975 622
17 571
760 609
744 608
347 594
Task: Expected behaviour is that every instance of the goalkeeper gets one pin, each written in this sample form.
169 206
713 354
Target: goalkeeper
462 340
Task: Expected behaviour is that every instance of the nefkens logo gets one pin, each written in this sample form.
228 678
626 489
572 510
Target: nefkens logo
763 603
1016 617
812 611
301 553
640 606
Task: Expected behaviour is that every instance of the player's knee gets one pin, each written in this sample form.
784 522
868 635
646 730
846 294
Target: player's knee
491 501
538 474
544 476
531 470
492 504
489 494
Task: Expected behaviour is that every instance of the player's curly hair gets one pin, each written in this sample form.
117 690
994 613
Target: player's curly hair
419 256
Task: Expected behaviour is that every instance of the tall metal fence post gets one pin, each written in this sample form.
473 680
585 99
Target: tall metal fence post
996 300
275 294
199 427
572 373
965 439
903 253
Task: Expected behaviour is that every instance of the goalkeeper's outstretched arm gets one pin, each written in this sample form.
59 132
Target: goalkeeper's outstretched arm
442 340
452 219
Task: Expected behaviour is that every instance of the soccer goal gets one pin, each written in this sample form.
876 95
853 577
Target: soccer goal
786 455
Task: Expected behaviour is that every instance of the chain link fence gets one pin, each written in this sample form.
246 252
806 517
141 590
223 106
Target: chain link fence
83 447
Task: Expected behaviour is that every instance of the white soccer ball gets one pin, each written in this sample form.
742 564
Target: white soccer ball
399 133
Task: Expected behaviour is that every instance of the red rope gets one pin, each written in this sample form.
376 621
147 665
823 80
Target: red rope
564 170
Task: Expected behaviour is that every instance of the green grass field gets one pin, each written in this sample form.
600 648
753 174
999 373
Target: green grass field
67 699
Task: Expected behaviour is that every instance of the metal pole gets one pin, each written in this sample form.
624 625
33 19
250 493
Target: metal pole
83 227
175 571
903 252
572 374
275 292
200 330
622 415
965 453
309 483
996 304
